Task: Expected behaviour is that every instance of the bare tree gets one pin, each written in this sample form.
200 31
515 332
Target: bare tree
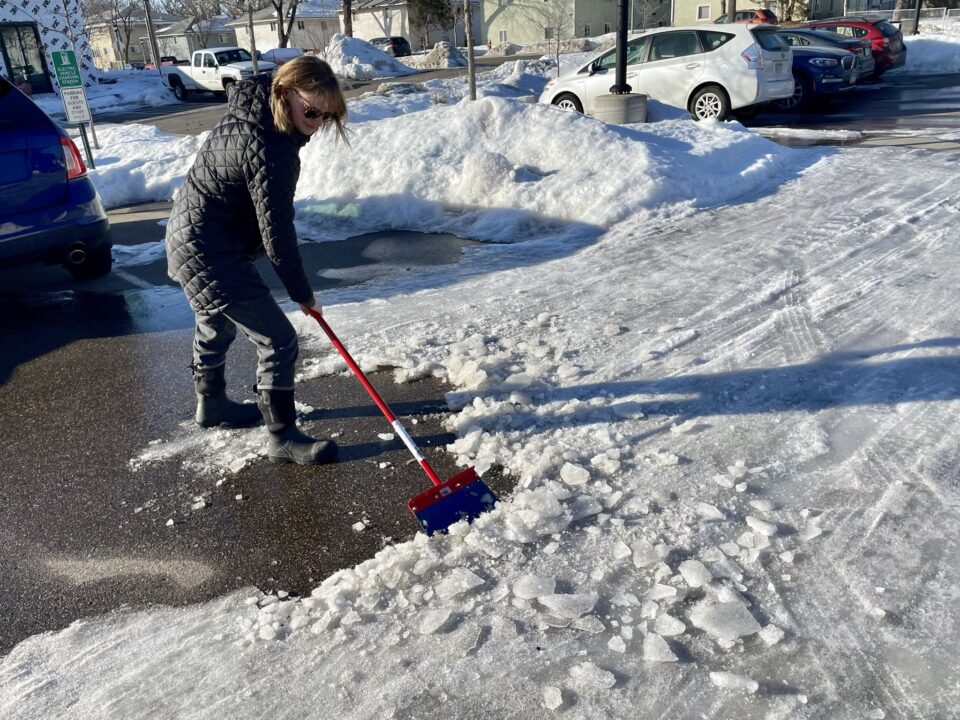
283 8
201 14
430 15
120 15
556 20
238 8
348 18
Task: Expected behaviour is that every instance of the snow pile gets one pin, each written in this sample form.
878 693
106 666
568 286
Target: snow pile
572 45
359 60
443 55
931 54
123 90
505 49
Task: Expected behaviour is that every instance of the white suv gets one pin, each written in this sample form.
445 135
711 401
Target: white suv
708 70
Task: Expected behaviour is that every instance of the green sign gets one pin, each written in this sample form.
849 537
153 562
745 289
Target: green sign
65 66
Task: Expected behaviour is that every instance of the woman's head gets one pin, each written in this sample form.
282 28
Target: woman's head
306 96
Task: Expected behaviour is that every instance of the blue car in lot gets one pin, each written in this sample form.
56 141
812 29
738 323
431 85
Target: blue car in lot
50 212
819 73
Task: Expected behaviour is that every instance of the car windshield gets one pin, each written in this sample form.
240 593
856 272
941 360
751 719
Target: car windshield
224 57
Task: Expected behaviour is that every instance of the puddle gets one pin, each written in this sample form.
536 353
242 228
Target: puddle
342 263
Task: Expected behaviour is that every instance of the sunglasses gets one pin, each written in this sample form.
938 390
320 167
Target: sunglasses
311 113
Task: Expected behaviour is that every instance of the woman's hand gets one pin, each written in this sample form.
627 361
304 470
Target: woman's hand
312 305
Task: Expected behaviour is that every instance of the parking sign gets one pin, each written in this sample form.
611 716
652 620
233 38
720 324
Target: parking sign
66 69
75 104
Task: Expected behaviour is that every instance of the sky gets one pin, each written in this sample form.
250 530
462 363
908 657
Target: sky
720 370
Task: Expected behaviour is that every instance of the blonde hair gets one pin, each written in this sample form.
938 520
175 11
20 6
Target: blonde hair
311 75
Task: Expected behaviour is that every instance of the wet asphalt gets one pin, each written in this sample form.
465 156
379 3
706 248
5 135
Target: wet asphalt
90 373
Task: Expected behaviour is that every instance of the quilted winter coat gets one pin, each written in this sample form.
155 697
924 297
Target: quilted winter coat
236 202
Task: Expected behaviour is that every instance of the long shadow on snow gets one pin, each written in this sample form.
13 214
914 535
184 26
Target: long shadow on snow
842 380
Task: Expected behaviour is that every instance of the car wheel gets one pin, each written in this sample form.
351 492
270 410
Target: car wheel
180 91
226 85
710 102
568 101
96 264
802 95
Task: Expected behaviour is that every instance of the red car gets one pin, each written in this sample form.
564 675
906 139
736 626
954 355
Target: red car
885 38
752 16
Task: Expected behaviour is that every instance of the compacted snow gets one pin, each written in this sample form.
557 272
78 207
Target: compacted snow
723 372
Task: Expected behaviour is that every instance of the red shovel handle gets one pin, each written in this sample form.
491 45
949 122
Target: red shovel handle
384 408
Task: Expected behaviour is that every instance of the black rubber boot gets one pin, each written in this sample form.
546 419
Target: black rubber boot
214 408
287 443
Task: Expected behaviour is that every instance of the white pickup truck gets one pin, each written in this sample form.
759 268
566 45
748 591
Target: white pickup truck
212 70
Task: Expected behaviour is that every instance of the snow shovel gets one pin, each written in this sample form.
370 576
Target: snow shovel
463 497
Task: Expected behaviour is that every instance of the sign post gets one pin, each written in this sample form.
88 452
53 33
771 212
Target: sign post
73 95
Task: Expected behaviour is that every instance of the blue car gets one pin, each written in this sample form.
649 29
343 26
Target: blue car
50 212
819 73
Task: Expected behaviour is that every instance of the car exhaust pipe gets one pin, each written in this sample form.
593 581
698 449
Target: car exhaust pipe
76 255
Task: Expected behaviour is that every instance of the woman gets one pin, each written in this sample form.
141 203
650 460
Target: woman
236 203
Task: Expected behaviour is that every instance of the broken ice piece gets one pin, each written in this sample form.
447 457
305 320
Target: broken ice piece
709 512
655 649
590 623
684 427
570 605
384 465
574 474
358 527
589 675
433 620
644 554
811 531
611 330
199 505
730 681
460 580
737 471
695 573
723 481
552 697
386 437
741 487
668 626
724 621
762 505
771 634
762 526
616 644
170 522
528 587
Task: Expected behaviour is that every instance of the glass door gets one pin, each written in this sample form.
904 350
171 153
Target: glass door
23 56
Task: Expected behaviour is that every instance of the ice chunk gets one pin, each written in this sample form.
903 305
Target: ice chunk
552 697
621 550
730 681
574 474
584 506
668 626
684 427
644 554
589 675
611 330
655 649
433 620
459 581
386 437
724 621
771 634
589 623
709 512
661 592
762 526
571 605
358 527
528 587
695 573
616 644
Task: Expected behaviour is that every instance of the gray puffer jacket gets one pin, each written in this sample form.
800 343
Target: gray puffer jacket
236 202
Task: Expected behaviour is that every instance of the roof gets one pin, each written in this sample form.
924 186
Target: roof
135 17
190 25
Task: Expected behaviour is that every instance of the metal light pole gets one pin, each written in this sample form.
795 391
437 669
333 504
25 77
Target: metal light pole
621 87
468 31
916 19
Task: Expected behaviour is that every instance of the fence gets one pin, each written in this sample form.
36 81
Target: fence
940 19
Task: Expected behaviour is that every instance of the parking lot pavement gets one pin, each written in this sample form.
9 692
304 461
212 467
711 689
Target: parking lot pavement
90 375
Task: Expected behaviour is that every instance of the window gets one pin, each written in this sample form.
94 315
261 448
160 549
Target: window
548 33
634 55
606 28
712 39
503 36
673 45
703 12
301 25
273 27
586 30
208 60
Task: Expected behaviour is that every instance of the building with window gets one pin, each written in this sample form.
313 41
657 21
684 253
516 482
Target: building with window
316 21
30 31
115 38
180 39
389 18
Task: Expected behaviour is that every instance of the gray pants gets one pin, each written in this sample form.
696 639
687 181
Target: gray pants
264 324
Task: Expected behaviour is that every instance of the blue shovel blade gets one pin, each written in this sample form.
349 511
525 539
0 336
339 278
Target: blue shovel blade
463 497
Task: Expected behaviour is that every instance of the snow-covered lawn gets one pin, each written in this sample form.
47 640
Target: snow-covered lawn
724 373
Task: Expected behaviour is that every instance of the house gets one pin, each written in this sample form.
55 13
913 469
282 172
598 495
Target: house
115 39
315 23
388 18
527 22
181 38
30 31
693 12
